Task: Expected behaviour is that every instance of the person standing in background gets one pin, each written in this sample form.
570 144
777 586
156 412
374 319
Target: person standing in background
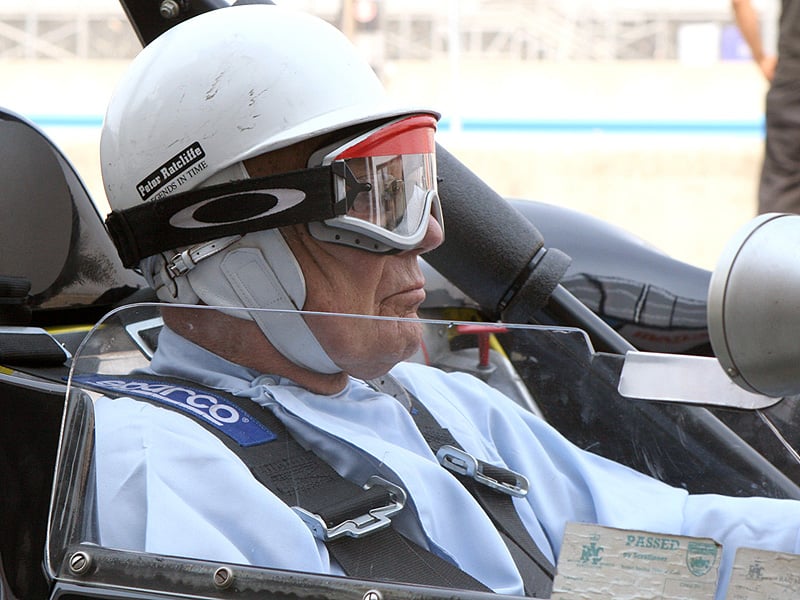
779 185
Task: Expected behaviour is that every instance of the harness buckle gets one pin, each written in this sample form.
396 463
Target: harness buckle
500 479
373 520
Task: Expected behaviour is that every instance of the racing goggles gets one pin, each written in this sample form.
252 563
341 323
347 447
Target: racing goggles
376 192
390 187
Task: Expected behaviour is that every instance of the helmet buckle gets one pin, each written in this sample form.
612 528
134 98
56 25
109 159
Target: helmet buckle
185 261
180 264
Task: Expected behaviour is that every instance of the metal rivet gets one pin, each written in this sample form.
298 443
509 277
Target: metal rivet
223 578
80 563
372 595
169 9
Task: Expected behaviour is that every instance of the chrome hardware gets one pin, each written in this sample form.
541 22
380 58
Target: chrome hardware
458 461
80 563
223 578
374 520
187 260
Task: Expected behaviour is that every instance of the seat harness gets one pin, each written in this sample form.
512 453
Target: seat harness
355 523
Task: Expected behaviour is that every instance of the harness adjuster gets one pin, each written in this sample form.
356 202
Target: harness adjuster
373 520
497 478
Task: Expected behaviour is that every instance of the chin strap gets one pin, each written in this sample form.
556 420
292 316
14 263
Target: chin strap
257 270
256 284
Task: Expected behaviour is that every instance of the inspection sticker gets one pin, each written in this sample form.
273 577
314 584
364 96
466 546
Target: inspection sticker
764 575
606 563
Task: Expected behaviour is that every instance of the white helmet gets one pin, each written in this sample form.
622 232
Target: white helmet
238 82
209 93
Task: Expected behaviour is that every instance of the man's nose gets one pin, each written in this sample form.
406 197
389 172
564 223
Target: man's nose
434 236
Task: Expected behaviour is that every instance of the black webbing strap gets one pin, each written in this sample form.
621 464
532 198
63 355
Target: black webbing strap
389 556
301 479
535 568
233 208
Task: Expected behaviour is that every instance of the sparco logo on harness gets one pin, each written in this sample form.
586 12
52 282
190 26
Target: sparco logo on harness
183 166
209 407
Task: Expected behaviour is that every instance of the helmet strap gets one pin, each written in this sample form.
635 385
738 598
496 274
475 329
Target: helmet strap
256 284
251 280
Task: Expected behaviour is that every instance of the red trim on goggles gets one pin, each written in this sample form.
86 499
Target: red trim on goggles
412 135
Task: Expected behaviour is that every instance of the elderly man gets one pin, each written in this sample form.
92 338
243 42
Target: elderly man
253 161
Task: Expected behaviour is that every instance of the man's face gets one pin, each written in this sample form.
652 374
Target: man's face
341 279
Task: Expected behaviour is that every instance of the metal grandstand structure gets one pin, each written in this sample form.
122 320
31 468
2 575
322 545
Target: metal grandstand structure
410 29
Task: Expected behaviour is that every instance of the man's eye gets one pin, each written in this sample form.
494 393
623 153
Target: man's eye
361 205
392 194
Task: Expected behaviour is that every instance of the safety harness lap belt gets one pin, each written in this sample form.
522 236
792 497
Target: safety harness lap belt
354 522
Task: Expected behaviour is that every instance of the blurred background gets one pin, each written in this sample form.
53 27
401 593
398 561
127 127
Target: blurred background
645 113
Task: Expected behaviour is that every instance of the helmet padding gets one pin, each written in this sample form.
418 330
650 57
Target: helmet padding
257 271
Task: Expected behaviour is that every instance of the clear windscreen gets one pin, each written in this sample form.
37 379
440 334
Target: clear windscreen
130 427
148 476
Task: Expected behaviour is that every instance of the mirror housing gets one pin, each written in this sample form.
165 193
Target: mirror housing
754 306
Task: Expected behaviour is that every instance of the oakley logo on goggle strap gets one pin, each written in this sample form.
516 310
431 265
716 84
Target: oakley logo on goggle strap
250 205
232 208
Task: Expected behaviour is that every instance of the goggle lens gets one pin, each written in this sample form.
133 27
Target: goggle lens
397 186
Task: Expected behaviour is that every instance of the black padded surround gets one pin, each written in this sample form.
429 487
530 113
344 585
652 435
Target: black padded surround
491 252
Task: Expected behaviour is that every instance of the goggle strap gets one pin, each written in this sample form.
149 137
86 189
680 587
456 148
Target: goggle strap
222 210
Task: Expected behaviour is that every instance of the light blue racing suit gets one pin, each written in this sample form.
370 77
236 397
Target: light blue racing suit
168 486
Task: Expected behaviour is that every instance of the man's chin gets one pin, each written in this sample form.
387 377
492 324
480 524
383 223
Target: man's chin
406 342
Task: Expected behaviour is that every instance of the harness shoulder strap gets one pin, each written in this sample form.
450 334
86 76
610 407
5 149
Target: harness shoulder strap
492 487
354 522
